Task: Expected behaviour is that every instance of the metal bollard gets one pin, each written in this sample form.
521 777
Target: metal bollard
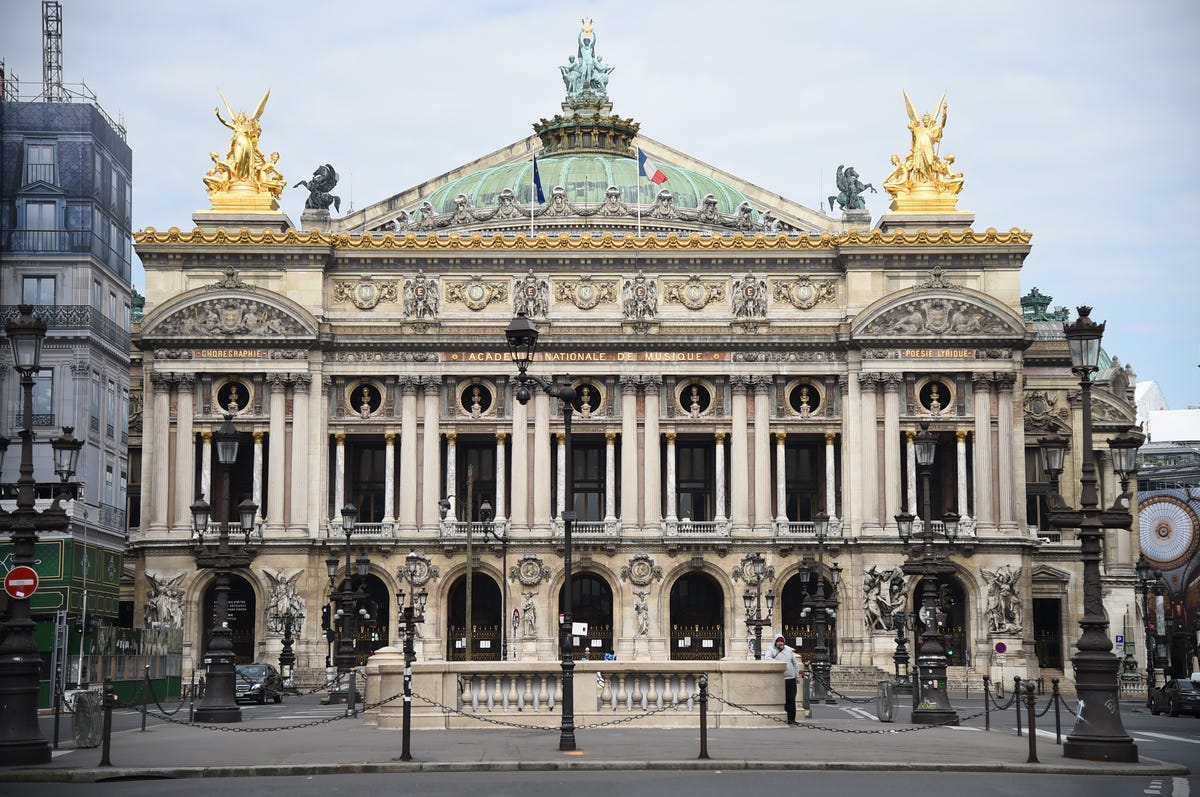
1057 698
987 704
192 697
1017 700
145 697
106 734
805 693
1031 704
352 694
703 716
57 710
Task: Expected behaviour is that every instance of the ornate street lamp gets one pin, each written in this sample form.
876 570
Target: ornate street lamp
824 609
1149 581
219 703
934 708
754 571
522 336
21 740
414 612
1098 734
902 622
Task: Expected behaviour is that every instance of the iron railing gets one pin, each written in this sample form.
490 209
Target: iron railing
72 316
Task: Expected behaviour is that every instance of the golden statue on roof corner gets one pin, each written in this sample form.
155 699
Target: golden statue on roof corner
923 181
244 181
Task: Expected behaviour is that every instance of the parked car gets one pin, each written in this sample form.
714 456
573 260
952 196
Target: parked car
258 682
1177 695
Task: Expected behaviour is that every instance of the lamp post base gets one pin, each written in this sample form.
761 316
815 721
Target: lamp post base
1098 734
1092 749
934 716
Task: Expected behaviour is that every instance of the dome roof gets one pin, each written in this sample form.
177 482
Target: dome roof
585 176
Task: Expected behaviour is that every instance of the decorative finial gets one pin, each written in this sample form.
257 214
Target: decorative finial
587 26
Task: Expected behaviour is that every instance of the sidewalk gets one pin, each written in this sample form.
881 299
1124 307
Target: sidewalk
256 747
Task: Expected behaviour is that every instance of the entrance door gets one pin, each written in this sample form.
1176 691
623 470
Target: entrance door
799 628
241 614
1047 632
954 632
485 619
592 605
697 619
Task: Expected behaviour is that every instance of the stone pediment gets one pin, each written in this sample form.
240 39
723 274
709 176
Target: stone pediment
948 315
225 316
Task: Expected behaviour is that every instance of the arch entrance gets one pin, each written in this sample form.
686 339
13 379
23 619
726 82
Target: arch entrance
697 618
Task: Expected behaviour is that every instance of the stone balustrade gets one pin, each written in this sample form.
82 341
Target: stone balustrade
530 693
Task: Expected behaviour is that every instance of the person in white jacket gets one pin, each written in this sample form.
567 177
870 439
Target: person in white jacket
791 670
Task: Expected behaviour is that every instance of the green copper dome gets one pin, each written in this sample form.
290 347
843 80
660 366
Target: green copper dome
585 176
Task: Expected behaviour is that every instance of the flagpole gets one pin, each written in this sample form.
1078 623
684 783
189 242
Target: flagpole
532 195
638 196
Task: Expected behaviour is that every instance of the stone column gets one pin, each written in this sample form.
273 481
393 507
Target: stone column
185 451
739 464
891 449
339 474
541 461
762 452
629 453
610 477
276 465
318 447
206 465
870 449
983 450
408 455
258 474
160 465
452 474
1004 460
519 513
910 442
300 451
431 481
831 476
671 508
851 449
560 476
719 473
501 487
781 477
652 508
389 476
960 439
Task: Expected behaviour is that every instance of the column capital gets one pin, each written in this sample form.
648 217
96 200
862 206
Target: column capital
430 382
340 437
258 437
610 437
830 438
981 381
961 435
562 438
300 379
867 380
389 438
206 437
185 381
161 380
629 385
762 384
719 436
910 435
451 437
1004 380
277 382
651 381
892 382
740 384
408 385
670 435
501 437
781 437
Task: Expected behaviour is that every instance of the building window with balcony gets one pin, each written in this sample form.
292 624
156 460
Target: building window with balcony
39 163
1037 495
476 464
43 400
804 465
112 408
37 290
94 423
98 175
694 466
588 472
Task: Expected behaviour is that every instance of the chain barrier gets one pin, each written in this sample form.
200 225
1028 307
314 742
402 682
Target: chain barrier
1009 704
830 690
240 729
808 726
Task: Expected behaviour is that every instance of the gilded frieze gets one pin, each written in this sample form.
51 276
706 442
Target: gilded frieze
585 294
694 293
365 294
802 293
475 293
565 241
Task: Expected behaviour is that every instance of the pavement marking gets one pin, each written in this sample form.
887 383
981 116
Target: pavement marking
1169 737
1179 787
57 753
963 728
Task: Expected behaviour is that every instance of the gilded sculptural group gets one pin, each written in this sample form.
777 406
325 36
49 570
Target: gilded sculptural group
923 179
243 171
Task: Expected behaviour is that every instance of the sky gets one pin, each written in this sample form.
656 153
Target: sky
1078 122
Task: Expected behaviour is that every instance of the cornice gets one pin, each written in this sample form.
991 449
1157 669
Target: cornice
564 241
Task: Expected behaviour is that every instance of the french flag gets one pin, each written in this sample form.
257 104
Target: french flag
648 169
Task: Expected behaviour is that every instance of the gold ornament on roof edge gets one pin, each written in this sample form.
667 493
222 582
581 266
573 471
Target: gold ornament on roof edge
923 181
244 181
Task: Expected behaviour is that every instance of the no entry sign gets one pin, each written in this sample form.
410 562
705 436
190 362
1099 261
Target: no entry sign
21 582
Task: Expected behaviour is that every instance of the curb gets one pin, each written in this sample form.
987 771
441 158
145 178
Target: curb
96 775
